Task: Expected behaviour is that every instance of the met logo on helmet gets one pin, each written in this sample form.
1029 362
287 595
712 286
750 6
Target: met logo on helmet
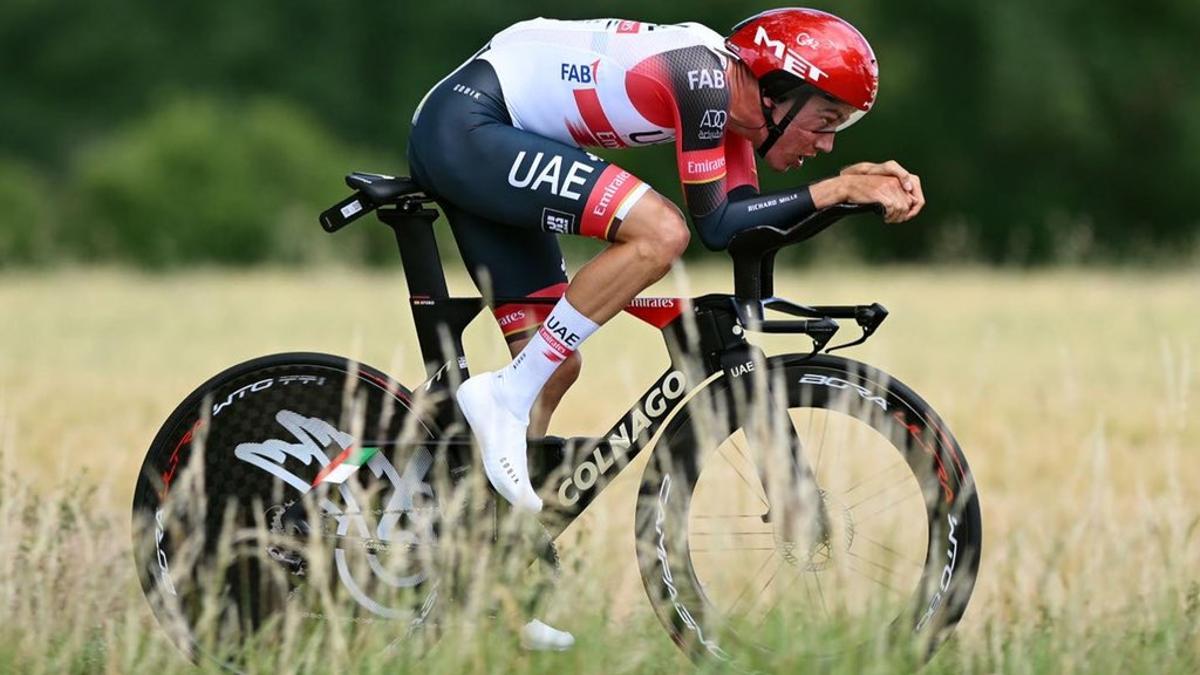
792 62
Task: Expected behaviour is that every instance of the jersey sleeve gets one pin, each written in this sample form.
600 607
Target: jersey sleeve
742 171
717 168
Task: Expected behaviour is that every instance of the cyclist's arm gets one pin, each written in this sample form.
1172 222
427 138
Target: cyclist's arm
717 169
723 208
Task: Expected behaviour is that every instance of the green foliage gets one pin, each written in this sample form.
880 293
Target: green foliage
200 181
1063 131
27 232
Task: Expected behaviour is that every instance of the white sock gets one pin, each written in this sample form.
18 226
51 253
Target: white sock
519 383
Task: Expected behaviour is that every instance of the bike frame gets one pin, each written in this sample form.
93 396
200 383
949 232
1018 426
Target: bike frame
705 337
709 354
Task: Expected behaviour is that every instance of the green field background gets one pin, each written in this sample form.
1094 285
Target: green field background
162 165
1073 394
189 133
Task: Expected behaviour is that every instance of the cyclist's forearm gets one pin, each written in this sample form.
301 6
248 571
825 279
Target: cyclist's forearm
828 192
746 208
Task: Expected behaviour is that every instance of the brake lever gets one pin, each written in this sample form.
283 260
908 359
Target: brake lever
868 319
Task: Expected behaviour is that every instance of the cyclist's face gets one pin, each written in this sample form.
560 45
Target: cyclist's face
810 132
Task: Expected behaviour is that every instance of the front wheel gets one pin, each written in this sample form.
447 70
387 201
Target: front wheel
808 511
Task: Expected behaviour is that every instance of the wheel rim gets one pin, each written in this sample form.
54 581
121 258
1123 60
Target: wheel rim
259 449
851 554
687 599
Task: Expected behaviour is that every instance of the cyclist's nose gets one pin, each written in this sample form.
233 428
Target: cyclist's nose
825 142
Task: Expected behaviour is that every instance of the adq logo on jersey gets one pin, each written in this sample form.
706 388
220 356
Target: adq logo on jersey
792 61
712 125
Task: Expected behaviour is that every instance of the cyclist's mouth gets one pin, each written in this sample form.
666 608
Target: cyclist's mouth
800 160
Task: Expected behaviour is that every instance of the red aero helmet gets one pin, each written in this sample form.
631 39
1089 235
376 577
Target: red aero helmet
786 48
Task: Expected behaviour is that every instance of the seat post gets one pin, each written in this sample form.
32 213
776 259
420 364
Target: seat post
753 272
439 319
412 224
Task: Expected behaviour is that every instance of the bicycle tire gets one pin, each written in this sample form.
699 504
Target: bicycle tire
826 385
234 422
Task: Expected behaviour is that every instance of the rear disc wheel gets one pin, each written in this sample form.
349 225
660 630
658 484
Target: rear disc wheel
214 558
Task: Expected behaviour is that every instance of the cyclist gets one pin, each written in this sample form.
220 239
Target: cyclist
499 142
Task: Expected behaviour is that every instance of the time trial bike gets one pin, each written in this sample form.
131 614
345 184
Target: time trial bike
800 485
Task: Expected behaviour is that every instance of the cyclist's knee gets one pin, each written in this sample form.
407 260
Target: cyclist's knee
657 229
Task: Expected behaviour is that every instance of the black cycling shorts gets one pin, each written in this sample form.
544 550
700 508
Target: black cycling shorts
508 192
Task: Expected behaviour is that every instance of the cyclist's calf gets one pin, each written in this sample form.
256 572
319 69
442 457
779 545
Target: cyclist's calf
556 387
552 392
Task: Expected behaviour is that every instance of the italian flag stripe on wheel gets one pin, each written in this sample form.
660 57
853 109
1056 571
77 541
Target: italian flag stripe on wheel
344 465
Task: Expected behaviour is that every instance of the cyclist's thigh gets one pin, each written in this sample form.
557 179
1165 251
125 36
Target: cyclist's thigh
465 150
509 262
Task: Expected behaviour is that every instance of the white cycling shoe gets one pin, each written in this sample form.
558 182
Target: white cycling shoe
537 636
502 439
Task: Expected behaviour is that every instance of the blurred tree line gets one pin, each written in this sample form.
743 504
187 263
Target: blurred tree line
198 132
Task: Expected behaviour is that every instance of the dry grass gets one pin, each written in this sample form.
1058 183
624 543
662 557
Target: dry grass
1072 393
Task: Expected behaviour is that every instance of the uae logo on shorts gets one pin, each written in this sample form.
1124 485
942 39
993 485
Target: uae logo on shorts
560 222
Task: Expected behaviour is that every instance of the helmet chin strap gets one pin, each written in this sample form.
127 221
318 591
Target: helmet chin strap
775 130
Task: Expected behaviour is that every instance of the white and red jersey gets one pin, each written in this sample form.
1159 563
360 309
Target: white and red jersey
591 83
611 83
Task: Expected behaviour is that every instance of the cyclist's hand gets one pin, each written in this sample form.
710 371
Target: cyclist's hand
898 204
911 182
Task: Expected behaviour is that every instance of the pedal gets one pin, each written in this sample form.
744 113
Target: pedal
293 561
